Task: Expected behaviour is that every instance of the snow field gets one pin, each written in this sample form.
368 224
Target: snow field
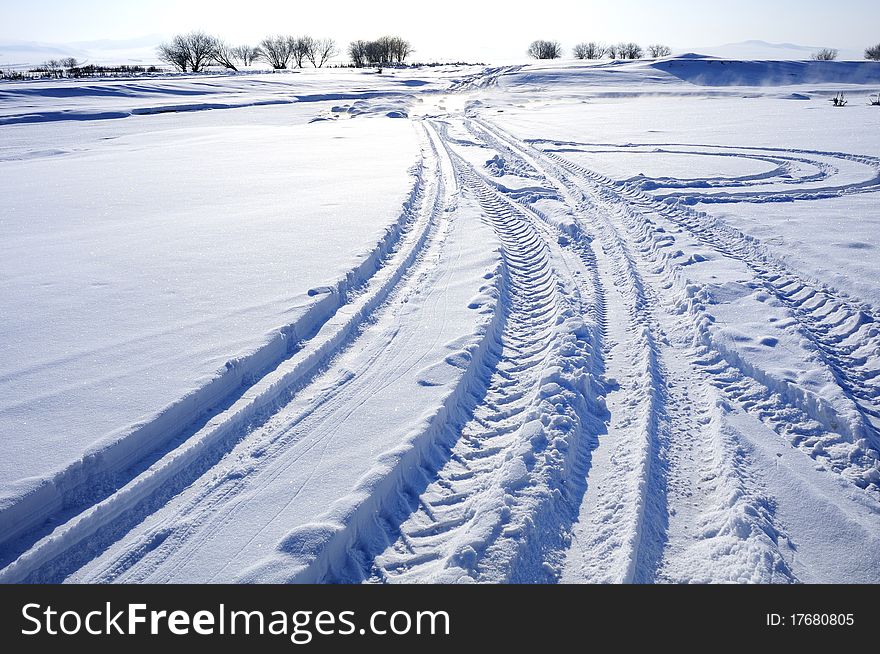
601 342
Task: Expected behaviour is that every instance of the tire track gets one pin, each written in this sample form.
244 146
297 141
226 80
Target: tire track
494 510
624 516
844 332
698 476
786 159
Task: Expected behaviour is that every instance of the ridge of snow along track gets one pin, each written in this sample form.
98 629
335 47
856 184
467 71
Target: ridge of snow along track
295 355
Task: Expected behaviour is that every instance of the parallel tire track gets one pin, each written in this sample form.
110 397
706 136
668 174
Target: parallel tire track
626 523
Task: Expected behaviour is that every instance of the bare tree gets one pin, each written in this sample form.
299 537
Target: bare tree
590 50
53 66
277 50
383 51
400 49
224 55
657 50
825 54
174 53
69 62
357 50
376 53
321 51
595 50
200 49
542 49
194 50
246 54
300 48
625 51
873 53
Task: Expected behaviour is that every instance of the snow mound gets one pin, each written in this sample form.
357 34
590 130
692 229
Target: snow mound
707 71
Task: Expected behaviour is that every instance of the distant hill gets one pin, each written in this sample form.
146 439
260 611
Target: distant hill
23 54
771 51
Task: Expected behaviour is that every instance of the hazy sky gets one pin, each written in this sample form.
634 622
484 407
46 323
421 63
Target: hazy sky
473 28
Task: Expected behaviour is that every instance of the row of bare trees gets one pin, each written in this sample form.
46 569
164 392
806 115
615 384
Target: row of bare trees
55 69
542 49
281 51
58 67
830 54
623 50
381 52
197 50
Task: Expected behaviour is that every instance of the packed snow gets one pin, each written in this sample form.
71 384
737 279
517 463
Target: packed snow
557 322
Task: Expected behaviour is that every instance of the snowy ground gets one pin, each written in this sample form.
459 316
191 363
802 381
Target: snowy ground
553 323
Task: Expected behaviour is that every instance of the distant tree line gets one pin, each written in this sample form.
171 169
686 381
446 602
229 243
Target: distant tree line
596 50
71 67
195 51
542 49
830 54
384 51
57 67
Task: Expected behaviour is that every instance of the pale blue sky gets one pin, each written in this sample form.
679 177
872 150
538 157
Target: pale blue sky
473 27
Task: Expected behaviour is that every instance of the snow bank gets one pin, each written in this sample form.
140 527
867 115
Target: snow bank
611 79
709 71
